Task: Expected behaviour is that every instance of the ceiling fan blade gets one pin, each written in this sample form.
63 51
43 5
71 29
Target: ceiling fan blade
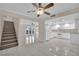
53 15
34 4
31 11
49 5
47 13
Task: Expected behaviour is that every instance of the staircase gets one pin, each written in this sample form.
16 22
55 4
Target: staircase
9 38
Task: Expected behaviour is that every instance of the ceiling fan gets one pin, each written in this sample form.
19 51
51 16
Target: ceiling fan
40 9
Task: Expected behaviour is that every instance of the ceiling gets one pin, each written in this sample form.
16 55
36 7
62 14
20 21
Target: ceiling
22 8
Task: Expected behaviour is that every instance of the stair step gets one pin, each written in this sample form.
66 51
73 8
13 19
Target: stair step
8 41
8 37
8 32
8 46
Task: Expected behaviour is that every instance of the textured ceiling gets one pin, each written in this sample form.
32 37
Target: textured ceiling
22 8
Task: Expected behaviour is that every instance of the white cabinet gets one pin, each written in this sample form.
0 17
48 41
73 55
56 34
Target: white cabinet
63 35
60 35
74 38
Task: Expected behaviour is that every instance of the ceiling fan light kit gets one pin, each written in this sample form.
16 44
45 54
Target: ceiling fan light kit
40 9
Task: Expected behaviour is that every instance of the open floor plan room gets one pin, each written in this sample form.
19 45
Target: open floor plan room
39 29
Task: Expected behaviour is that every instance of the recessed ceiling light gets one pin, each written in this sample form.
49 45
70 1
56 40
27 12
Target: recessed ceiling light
57 26
66 25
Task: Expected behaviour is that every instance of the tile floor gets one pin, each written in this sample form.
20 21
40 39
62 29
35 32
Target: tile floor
53 47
